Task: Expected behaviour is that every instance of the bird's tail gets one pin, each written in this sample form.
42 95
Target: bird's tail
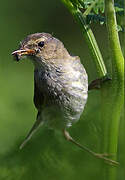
34 128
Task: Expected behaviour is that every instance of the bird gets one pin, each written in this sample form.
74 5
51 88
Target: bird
60 85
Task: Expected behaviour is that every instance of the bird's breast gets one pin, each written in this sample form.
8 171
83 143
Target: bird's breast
65 92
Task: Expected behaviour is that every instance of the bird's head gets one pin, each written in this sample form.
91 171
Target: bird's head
41 47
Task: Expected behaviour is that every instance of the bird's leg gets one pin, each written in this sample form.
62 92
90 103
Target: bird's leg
96 84
34 128
100 156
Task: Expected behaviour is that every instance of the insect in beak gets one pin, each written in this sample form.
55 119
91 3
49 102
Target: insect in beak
22 52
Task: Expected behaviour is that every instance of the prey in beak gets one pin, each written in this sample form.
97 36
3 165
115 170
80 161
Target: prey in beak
22 52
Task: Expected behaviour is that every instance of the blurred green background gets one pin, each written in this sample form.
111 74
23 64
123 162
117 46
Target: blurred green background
47 155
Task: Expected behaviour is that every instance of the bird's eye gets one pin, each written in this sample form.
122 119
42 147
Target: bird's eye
41 43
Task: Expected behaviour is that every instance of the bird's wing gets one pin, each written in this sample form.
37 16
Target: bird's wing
38 101
38 96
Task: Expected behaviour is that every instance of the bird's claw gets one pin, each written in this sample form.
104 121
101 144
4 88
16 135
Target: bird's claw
97 83
104 157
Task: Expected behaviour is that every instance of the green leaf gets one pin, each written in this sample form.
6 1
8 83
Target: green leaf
119 28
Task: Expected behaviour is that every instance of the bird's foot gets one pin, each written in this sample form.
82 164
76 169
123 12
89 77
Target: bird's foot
105 157
97 83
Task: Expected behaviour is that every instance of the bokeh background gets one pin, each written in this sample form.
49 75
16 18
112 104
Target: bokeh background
48 155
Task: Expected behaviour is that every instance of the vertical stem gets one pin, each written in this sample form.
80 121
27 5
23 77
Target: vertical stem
113 94
124 31
89 37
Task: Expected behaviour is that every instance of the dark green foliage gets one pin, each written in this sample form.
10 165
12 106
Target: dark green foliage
93 18
96 12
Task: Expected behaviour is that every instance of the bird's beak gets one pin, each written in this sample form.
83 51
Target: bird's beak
22 52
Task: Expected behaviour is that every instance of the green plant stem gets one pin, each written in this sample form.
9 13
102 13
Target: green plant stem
113 92
124 32
89 37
